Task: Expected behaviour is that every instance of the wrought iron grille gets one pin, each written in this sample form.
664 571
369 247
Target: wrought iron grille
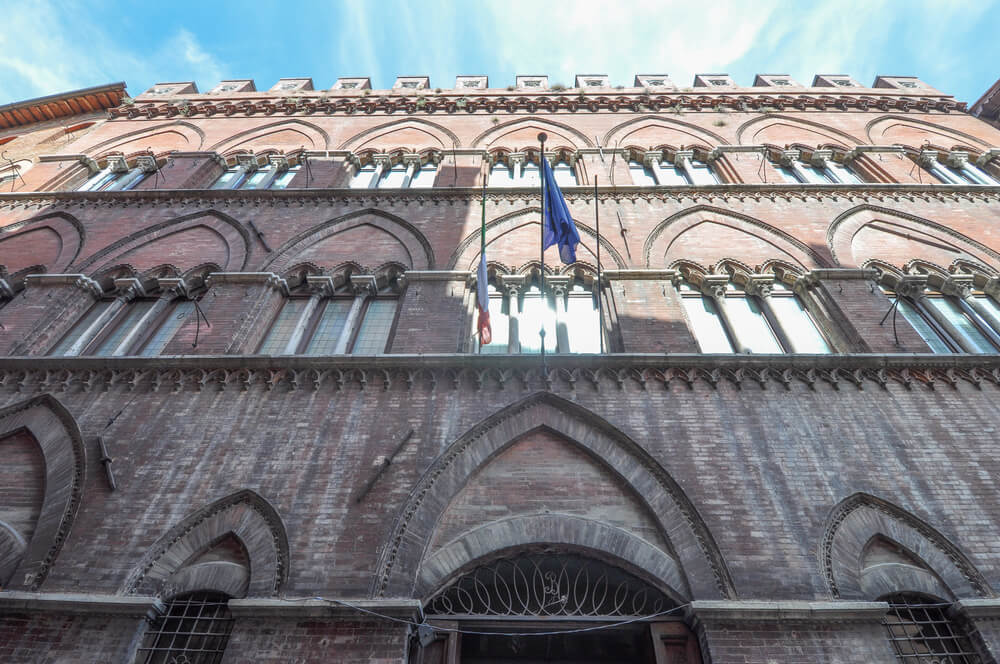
548 585
922 633
193 630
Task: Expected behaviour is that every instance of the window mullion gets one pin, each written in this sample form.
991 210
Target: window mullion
513 285
302 324
133 336
760 286
364 286
714 286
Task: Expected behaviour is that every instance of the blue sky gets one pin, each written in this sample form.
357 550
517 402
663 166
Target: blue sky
47 46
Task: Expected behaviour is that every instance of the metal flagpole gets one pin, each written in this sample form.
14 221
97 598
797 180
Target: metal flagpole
597 290
541 271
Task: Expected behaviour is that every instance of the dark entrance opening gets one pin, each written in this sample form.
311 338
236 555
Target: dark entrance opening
629 645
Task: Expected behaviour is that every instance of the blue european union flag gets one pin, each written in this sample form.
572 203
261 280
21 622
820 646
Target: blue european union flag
559 226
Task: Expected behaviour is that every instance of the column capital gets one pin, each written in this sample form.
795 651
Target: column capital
516 158
959 285
411 159
652 158
146 162
760 284
172 287
928 157
559 284
714 285
279 162
958 158
683 155
117 164
129 288
912 285
247 162
992 288
6 292
820 157
383 160
320 285
364 284
788 157
513 283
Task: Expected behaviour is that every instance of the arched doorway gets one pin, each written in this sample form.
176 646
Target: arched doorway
554 606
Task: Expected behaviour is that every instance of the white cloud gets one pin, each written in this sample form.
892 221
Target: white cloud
47 49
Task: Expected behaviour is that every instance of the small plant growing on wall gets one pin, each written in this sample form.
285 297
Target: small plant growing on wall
558 87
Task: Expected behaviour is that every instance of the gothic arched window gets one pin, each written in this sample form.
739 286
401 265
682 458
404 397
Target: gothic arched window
193 629
922 631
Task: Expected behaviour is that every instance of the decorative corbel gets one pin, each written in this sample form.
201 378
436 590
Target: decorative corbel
117 164
90 163
986 157
364 284
321 285
129 288
172 287
147 163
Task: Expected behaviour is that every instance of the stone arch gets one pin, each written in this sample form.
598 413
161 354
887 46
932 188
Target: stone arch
698 556
558 132
639 124
927 240
891 128
418 250
445 138
58 436
56 238
233 239
560 530
312 136
171 566
663 244
168 136
791 129
466 255
934 562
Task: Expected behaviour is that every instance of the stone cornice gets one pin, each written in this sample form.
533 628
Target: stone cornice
786 611
634 100
318 607
448 196
83 603
980 609
498 372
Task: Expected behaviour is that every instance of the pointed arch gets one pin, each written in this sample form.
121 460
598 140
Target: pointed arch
64 234
943 245
563 531
418 249
859 518
467 252
404 558
534 122
445 137
313 136
58 436
176 131
234 238
661 245
245 516
880 131
798 129
636 125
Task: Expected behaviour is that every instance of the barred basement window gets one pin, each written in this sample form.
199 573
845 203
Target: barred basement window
194 629
922 633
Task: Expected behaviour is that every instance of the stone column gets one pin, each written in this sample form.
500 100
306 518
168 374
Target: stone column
761 286
714 286
513 284
381 164
682 158
516 161
128 289
412 162
558 286
364 286
652 159
321 287
912 286
170 288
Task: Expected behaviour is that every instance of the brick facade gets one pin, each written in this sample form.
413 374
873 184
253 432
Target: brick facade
776 500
